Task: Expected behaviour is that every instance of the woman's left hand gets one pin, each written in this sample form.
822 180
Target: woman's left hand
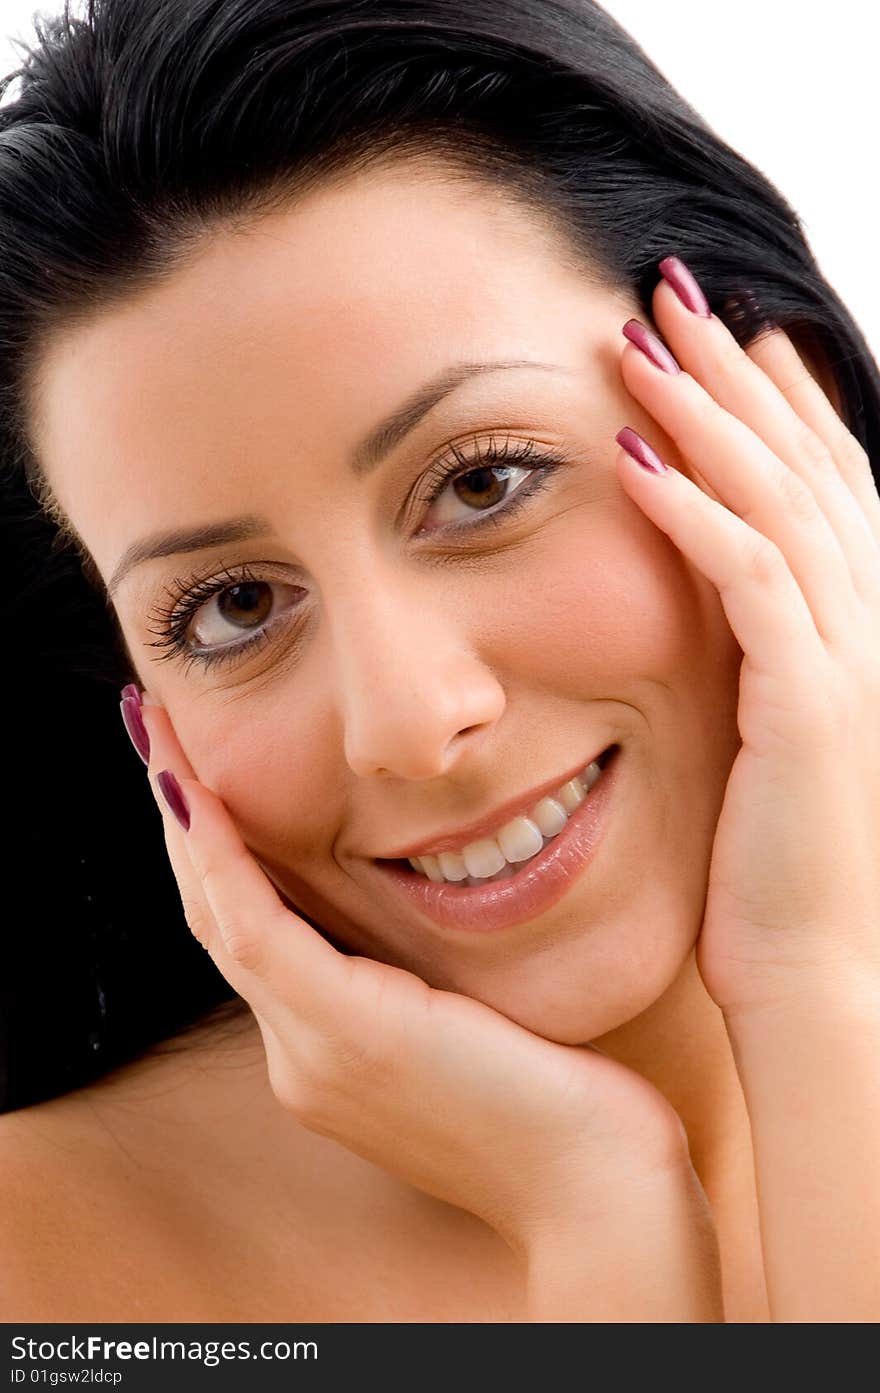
785 523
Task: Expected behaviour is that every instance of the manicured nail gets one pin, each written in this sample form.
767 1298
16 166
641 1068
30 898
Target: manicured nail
673 270
134 724
173 795
640 451
132 691
650 345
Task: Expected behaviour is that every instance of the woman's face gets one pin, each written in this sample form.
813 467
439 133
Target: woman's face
413 665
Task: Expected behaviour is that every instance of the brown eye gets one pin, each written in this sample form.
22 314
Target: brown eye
239 609
482 488
246 605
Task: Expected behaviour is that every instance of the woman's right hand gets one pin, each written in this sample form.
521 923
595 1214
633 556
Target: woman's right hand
437 1088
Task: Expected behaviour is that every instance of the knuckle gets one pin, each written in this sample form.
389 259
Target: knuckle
727 357
197 920
705 410
243 947
797 496
812 448
291 1085
326 1080
313 1104
853 457
299 1098
764 562
242 941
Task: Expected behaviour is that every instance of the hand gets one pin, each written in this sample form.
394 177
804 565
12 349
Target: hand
434 1087
787 527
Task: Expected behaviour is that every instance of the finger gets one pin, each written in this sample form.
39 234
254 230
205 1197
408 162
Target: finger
267 953
164 747
764 604
751 482
708 352
779 360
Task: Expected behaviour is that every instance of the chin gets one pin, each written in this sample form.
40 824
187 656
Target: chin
575 991
569 984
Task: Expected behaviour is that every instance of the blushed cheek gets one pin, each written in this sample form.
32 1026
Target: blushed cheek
606 607
272 757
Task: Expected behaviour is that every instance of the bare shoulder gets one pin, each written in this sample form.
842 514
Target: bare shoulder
140 1198
85 1231
41 1182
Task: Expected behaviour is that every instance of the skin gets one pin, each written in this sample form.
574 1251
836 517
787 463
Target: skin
429 681
423 690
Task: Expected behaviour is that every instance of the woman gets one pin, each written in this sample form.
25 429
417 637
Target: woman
325 351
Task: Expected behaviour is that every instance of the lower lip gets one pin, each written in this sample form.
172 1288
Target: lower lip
540 884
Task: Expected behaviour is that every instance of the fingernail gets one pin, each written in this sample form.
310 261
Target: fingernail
673 270
173 795
640 451
650 345
134 724
132 691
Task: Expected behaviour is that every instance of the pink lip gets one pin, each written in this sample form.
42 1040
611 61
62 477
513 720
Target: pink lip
454 841
536 888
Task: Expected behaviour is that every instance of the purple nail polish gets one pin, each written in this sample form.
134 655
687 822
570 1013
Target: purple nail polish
134 724
650 345
173 795
132 692
640 451
673 270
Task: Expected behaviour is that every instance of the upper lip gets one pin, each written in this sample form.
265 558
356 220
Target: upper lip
455 839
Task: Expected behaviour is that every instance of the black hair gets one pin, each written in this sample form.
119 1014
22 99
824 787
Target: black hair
137 127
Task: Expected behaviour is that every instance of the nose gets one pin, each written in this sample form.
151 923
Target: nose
412 692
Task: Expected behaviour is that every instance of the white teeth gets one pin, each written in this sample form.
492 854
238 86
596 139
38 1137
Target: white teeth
495 858
520 839
452 865
571 795
507 870
550 816
483 858
431 868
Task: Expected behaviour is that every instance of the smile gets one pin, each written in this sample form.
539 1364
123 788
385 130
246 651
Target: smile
525 870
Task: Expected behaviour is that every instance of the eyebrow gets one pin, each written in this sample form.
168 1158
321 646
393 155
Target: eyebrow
365 457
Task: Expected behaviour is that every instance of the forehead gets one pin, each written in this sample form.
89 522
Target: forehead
284 339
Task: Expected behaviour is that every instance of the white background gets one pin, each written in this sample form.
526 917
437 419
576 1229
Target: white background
790 84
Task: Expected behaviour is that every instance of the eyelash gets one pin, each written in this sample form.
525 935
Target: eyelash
513 454
187 596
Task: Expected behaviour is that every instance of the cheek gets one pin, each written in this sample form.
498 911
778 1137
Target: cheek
266 759
606 601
